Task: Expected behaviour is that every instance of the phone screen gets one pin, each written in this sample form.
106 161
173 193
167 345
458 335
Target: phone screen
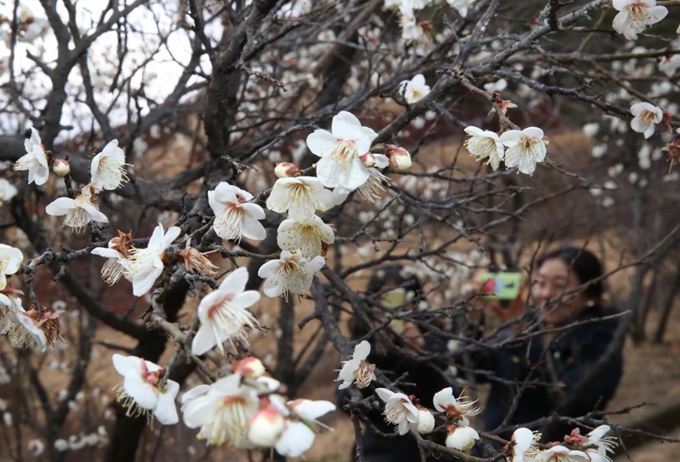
501 286
394 298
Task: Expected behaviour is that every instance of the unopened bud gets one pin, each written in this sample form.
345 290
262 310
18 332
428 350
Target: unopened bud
400 158
61 167
368 160
461 438
285 170
546 140
425 422
266 427
249 367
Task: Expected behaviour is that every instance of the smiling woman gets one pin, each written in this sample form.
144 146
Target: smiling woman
571 343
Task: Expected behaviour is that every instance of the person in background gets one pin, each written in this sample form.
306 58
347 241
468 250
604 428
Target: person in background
394 352
565 370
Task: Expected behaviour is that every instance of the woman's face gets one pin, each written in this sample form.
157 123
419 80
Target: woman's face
553 279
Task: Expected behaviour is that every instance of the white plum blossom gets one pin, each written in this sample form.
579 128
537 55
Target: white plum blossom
235 215
591 129
300 197
635 15
21 327
145 265
499 85
224 314
461 438
357 369
117 253
7 191
372 189
36 447
108 167
462 6
413 4
222 410
525 148
340 151
485 144
78 212
399 410
289 274
35 160
299 432
646 116
561 454
603 444
411 30
525 445
415 89
669 64
456 409
10 261
307 236
144 390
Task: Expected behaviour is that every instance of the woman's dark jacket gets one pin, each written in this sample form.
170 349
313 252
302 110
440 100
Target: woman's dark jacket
547 381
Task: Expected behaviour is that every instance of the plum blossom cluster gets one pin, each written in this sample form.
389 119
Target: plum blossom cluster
243 409
346 165
454 413
107 170
523 149
596 447
420 32
37 326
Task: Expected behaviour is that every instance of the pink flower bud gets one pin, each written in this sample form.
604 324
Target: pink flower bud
61 167
400 158
368 160
249 367
546 140
285 170
266 426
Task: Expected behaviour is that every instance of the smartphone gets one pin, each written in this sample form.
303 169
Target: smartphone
501 286
393 298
